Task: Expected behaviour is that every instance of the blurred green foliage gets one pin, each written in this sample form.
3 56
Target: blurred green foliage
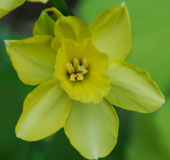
61 5
88 10
149 135
12 93
141 136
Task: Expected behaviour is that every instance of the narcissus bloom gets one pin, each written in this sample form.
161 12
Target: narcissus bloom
8 5
81 72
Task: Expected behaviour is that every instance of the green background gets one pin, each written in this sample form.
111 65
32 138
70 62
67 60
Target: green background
141 136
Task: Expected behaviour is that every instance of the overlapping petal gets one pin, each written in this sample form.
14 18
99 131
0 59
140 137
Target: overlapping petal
32 58
92 128
45 23
111 32
95 84
133 89
8 5
44 113
70 28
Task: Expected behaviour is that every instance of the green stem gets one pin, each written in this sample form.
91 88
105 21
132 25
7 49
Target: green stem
61 5
37 150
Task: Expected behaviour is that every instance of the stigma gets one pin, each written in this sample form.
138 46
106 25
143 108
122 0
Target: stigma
77 69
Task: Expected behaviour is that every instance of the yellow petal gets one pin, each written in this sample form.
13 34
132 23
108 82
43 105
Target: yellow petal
95 84
42 1
70 28
8 5
32 58
45 23
111 32
92 128
133 89
44 113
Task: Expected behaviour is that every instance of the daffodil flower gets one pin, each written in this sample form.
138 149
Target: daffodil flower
7 6
81 72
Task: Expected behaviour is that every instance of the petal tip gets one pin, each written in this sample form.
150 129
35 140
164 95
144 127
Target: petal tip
17 135
162 100
6 42
123 4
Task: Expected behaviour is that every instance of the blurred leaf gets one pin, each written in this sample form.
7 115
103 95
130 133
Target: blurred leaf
12 94
151 36
150 138
88 10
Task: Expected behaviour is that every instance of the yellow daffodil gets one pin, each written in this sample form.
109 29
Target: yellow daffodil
7 6
81 72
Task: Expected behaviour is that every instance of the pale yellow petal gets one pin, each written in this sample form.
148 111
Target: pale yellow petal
32 58
8 5
133 89
70 28
42 1
44 113
92 128
96 83
111 32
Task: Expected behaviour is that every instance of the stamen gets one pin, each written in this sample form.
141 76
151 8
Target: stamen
77 70
73 77
84 71
85 62
76 63
80 76
70 68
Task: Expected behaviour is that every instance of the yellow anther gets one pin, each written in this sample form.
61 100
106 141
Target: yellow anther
85 62
76 63
77 70
80 76
70 68
73 77
84 71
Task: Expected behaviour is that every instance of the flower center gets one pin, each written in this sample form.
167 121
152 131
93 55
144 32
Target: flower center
77 69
